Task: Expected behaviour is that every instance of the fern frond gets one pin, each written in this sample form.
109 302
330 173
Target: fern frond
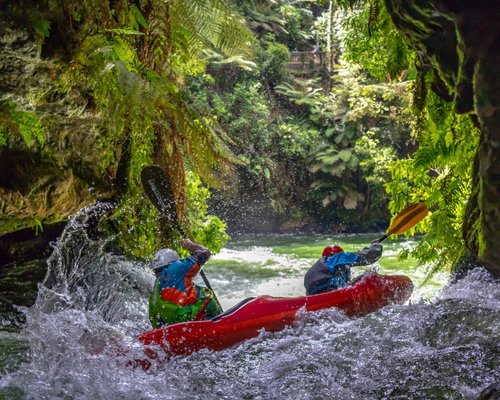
373 15
213 22
14 121
198 137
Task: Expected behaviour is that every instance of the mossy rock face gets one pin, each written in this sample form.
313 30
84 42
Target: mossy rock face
32 191
46 181
461 42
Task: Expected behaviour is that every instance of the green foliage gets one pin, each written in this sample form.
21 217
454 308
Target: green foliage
42 28
297 21
135 58
244 114
205 228
216 59
313 152
375 159
271 146
357 124
296 140
373 42
214 22
303 93
14 122
334 161
439 173
272 58
263 17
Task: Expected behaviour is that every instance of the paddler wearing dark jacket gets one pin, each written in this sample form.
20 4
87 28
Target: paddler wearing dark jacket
333 270
175 297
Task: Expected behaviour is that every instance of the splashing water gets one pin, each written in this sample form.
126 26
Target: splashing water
91 299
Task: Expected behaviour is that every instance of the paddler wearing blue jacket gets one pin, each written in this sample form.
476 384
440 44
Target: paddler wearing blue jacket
175 297
333 270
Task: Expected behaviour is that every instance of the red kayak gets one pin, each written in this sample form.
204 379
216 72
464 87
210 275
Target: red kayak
247 319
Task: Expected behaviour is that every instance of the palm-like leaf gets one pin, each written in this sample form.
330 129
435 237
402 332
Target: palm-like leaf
206 22
144 56
177 34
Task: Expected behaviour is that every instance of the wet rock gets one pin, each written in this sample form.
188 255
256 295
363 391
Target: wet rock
491 392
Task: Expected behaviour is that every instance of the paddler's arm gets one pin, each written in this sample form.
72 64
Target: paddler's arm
369 254
199 252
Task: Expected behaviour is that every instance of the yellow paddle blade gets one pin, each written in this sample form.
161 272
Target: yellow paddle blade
408 218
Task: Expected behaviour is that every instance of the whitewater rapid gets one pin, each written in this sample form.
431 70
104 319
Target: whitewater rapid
93 300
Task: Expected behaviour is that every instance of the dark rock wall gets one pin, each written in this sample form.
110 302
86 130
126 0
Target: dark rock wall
460 40
46 182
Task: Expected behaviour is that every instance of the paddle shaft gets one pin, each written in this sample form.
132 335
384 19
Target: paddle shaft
202 274
383 238
159 191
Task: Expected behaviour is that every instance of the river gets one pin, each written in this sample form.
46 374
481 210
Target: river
443 344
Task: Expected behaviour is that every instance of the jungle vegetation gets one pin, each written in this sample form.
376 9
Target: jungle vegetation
203 88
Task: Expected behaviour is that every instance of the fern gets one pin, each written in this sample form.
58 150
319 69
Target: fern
373 15
440 173
138 56
25 124
370 27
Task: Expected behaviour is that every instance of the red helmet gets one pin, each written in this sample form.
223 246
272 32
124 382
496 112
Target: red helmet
331 250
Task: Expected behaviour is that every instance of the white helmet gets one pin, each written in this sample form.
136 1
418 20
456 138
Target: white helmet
164 257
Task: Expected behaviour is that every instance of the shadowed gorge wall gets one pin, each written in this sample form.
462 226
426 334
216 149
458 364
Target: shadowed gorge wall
460 41
47 180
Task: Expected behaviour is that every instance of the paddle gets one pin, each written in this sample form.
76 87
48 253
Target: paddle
410 216
406 219
158 189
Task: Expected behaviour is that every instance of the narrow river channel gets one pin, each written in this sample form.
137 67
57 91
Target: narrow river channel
443 344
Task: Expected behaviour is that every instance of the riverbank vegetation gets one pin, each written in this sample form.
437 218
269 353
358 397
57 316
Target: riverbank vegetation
211 90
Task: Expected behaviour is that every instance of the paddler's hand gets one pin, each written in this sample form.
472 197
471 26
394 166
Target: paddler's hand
186 243
192 246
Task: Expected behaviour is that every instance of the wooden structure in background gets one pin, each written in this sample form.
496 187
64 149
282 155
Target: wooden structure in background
306 62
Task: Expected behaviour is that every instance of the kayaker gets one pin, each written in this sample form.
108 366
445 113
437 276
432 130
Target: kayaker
175 297
333 270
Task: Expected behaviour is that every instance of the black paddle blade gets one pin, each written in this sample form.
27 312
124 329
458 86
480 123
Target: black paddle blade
157 188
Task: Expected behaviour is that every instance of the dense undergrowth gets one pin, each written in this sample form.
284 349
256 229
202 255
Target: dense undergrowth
205 90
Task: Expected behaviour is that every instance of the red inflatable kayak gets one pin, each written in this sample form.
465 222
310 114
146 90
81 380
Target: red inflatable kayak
273 314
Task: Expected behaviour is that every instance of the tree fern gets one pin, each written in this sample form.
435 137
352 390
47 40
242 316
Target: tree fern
138 55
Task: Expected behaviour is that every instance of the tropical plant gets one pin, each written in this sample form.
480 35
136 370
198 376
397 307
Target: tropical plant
358 123
439 168
205 228
263 16
272 59
16 123
372 41
298 21
439 173
139 56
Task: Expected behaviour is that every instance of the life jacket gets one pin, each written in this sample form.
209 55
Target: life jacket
163 312
330 273
317 275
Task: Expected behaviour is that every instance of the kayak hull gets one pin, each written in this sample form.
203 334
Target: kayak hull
274 314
